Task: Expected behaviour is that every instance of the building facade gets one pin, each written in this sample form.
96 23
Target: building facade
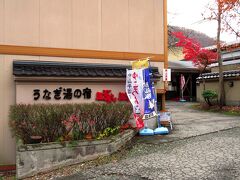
80 32
231 74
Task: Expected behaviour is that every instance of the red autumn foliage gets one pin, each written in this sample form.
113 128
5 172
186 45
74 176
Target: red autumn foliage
193 51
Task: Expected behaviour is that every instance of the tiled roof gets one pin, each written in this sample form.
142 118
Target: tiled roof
182 66
225 63
226 74
63 69
233 44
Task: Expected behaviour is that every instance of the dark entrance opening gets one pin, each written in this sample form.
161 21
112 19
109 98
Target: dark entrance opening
190 74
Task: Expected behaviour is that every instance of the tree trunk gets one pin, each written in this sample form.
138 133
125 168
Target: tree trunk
201 75
204 84
203 80
221 81
191 88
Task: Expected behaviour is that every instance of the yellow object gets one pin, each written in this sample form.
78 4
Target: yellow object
140 64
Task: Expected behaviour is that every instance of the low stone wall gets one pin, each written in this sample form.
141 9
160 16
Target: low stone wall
35 158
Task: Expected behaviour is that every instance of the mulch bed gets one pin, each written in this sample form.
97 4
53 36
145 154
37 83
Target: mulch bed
229 110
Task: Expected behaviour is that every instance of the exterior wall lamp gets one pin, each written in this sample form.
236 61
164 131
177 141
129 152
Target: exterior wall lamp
230 83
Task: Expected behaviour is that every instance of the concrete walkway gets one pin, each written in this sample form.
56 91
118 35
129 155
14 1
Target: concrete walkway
202 146
188 122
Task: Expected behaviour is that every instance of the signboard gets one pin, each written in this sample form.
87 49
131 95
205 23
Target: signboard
134 89
166 74
70 93
64 92
61 93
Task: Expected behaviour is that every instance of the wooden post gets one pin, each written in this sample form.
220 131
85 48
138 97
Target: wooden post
163 102
165 51
162 92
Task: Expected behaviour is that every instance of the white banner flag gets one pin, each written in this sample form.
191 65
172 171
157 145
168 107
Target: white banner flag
134 89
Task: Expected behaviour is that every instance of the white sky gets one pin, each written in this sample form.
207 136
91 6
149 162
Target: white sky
187 13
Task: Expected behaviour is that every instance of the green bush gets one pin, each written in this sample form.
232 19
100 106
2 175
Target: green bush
55 121
209 96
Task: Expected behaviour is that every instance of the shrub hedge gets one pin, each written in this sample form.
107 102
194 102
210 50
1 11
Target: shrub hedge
209 96
53 121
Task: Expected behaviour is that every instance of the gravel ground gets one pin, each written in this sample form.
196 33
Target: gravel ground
202 146
212 156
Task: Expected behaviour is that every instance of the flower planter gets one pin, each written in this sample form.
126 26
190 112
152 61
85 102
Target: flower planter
35 158
35 139
89 136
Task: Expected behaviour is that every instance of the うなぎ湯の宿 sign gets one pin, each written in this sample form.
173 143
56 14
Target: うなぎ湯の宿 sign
40 92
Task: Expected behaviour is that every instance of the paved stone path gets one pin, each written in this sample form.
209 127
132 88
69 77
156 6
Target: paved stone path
189 122
215 155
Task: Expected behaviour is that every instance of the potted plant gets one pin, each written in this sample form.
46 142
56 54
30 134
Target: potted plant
35 139
89 128
89 136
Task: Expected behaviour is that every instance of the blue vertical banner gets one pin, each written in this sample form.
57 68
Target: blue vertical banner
148 96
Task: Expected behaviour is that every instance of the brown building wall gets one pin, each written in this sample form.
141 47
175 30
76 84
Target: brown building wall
120 31
119 25
227 68
8 94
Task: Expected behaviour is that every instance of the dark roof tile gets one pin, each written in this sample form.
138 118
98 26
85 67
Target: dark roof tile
231 73
60 69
